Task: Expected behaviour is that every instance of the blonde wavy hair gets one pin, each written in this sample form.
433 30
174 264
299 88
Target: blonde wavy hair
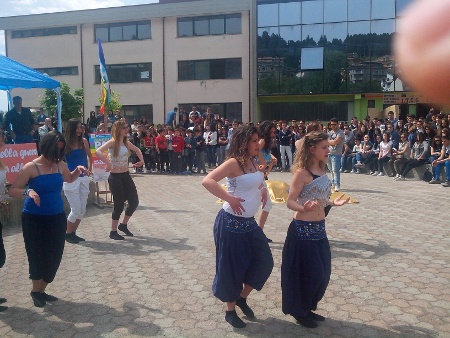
303 156
115 134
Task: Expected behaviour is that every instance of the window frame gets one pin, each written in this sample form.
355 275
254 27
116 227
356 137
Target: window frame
121 25
190 67
191 31
48 31
111 69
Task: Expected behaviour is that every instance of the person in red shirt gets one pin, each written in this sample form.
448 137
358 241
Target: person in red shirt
148 143
178 149
161 149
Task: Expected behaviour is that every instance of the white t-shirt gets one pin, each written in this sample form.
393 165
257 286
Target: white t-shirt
385 148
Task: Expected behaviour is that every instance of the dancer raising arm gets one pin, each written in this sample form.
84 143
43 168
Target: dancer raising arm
306 259
120 181
243 257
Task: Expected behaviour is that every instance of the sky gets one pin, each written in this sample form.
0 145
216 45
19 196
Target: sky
25 7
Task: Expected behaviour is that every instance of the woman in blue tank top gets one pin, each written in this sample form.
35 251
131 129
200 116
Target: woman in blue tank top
306 259
77 192
43 217
243 257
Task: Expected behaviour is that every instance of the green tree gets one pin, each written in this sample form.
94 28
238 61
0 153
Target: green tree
71 104
114 102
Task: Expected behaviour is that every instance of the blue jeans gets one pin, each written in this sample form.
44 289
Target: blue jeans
437 170
334 165
346 160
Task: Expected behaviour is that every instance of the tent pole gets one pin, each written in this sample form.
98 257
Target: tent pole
58 108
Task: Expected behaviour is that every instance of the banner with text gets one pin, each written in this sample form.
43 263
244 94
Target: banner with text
98 166
15 156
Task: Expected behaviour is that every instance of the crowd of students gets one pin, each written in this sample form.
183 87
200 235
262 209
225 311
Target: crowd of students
396 147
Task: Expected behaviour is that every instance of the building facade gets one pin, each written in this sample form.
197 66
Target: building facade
158 56
250 59
330 58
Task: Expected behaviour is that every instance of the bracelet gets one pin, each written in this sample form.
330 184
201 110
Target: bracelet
330 203
26 191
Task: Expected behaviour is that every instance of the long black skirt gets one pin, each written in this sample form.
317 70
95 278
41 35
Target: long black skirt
306 267
242 256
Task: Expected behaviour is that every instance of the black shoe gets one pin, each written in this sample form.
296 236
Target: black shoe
2 300
78 238
116 236
242 304
48 298
123 227
306 322
3 308
71 238
38 300
232 318
316 317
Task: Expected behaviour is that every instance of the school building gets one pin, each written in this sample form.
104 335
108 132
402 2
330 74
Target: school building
249 59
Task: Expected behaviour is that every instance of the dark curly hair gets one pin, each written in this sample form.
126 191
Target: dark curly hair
239 142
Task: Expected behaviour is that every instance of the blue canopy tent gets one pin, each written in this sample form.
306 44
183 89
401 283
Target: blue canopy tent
16 75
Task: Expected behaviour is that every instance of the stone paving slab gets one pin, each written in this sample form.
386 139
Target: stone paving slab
390 261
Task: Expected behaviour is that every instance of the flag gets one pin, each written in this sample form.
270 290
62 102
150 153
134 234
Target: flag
106 90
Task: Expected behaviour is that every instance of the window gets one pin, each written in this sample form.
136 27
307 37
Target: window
335 10
209 25
312 11
136 112
210 69
126 73
28 33
123 31
290 13
312 58
57 71
267 15
230 110
383 9
358 10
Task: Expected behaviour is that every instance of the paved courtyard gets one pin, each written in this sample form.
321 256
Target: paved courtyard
390 278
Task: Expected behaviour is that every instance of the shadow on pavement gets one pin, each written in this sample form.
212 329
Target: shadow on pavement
361 250
273 327
137 246
366 191
95 320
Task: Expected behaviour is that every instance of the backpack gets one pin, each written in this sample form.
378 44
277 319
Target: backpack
427 176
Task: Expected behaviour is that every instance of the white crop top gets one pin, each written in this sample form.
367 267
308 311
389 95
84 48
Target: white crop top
246 187
121 160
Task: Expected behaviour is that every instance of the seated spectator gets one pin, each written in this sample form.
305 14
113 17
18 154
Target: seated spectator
429 133
385 153
442 160
352 158
362 156
435 148
372 160
400 156
420 153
